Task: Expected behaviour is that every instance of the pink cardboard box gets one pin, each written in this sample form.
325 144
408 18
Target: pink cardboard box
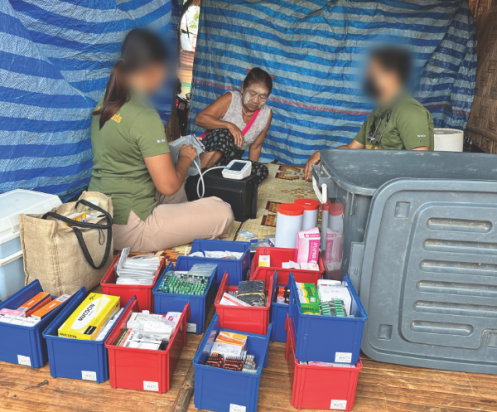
307 246
333 255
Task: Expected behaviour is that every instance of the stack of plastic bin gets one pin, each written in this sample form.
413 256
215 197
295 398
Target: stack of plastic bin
244 318
166 302
76 358
142 369
223 390
329 339
143 293
279 311
22 344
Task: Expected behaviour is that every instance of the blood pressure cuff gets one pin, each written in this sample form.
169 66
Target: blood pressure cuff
176 146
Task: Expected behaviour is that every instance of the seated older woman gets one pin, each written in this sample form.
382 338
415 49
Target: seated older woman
238 121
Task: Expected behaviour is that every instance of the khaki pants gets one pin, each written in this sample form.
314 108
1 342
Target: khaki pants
175 222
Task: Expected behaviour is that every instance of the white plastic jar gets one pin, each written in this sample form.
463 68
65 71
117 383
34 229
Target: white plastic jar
311 209
288 223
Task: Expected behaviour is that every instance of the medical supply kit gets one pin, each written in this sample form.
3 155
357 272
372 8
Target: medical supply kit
187 282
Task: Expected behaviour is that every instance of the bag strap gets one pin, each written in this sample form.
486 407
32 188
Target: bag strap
79 235
249 124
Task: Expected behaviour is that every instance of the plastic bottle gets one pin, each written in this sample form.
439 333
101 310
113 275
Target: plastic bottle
311 209
288 223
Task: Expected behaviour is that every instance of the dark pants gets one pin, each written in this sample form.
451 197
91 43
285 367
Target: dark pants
222 140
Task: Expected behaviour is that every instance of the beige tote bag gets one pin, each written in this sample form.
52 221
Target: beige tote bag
64 258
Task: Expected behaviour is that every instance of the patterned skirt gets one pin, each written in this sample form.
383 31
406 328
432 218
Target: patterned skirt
222 140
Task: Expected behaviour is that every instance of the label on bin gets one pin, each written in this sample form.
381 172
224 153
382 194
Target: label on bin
340 405
237 408
24 360
151 386
89 376
191 327
343 357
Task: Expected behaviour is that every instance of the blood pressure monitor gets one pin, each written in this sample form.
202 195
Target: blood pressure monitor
237 169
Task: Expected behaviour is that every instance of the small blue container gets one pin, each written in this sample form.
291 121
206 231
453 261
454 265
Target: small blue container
327 338
237 269
221 390
279 313
22 344
167 302
75 358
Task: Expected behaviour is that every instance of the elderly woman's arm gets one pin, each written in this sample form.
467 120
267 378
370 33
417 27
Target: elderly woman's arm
256 146
209 118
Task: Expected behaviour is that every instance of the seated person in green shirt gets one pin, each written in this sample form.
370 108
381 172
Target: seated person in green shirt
399 122
132 163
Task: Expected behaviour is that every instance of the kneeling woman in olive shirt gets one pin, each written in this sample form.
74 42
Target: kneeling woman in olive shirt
132 163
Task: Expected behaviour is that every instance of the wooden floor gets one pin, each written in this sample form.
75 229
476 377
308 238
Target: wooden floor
381 387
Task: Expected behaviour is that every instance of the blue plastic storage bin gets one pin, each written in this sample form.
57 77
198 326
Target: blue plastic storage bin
279 313
75 358
237 269
167 302
327 338
21 344
222 390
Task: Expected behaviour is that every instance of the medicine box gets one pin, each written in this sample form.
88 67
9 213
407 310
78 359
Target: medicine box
167 302
75 358
278 256
143 293
327 338
279 311
143 369
244 318
25 345
12 204
320 387
237 269
89 318
224 390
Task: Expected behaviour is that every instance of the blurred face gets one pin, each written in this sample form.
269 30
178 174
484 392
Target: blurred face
379 80
254 96
149 79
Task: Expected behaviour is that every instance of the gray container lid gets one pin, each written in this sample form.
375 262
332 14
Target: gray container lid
362 172
427 271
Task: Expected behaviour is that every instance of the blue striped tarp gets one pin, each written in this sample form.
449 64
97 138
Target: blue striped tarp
55 60
315 50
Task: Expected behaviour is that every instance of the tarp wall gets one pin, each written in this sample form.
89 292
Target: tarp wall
314 49
55 60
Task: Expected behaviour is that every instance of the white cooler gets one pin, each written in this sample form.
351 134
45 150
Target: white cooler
12 204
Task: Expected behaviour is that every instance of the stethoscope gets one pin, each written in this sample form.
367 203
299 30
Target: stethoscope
373 129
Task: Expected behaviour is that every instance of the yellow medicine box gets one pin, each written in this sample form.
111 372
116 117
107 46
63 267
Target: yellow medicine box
90 317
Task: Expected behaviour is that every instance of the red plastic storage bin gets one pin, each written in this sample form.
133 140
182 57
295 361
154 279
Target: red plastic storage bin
143 293
279 255
142 369
320 387
244 319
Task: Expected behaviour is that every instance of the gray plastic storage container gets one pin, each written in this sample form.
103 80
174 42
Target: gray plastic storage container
426 267
354 176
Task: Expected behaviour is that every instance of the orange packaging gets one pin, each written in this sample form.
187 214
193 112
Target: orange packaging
46 309
35 303
231 338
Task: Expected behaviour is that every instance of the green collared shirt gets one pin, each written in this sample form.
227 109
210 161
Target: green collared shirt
409 126
119 151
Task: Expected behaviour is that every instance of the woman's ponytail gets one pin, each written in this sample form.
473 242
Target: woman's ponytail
116 94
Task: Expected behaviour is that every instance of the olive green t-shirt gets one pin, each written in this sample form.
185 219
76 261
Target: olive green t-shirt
410 126
119 148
